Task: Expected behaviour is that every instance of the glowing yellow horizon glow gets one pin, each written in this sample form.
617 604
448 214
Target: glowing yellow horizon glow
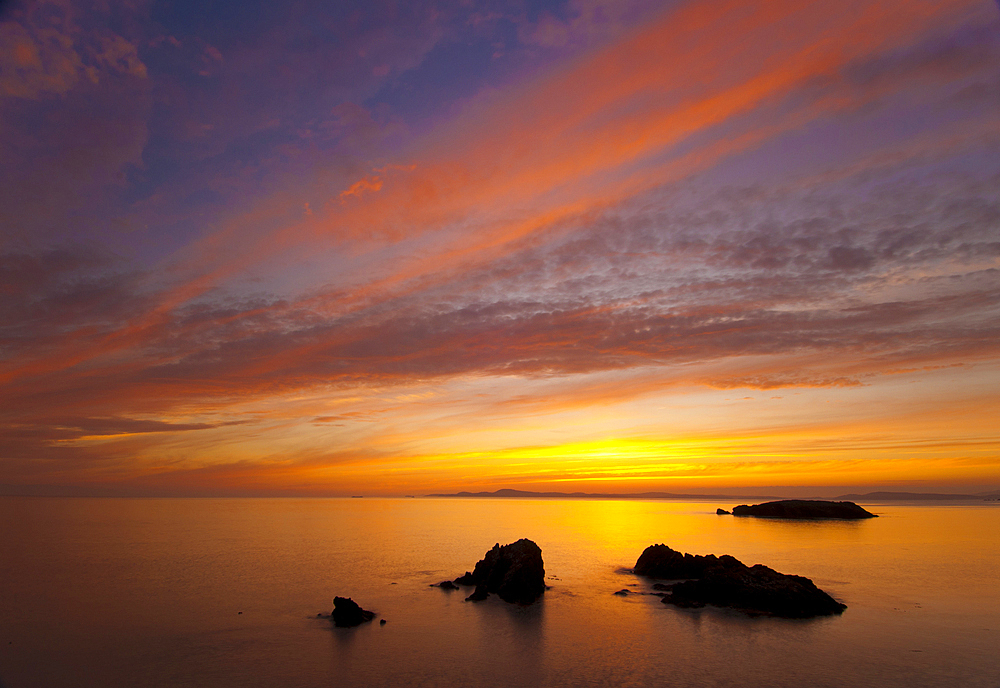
448 437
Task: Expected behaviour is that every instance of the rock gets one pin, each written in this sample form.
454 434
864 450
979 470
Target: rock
659 561
381 622
726 582
445 585
756 590
801 508
346 612
721 512
623 592
479 594
515 572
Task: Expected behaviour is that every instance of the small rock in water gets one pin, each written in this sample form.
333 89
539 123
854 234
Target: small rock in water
445 585
720 511
346 613
381 622
623 592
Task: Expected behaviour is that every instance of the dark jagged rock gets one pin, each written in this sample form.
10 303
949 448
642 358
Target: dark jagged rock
726 582
623 592
445 585
801 508
756 590
346 613
479 594
515 572
720 511
659 561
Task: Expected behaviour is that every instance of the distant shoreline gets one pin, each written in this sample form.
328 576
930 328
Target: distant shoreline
527 494
870 496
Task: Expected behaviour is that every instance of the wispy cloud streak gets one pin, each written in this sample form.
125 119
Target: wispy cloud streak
703 196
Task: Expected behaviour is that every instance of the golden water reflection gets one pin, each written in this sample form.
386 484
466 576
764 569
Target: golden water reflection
148 592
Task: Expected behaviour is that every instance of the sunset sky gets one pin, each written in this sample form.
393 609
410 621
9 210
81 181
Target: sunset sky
332 248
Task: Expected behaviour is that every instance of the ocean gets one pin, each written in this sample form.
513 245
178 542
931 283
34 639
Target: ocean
226 592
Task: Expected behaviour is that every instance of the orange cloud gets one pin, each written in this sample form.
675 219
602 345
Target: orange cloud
443 270
369 184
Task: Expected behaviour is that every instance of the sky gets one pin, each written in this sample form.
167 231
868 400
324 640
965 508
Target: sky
386 248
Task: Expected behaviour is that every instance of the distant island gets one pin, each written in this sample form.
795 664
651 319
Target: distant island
804 509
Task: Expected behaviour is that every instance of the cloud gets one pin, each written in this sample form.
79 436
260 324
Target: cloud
45 51
584 22
367 185
75 96
656 212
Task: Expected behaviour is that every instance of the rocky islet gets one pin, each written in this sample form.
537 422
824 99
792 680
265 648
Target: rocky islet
514 572
347 613
803 509
725 581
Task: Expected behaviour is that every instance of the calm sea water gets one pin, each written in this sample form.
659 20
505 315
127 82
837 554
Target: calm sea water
149 592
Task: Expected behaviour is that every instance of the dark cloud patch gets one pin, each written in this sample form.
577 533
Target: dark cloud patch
61 429
50 294
850 258
950 57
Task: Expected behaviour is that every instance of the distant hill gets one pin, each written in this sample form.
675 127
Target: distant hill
525 494
507 493
914 496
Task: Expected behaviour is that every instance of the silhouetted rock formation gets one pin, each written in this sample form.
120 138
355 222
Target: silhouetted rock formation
346 612
479 594
720 511
801 508
726 582
514 572
659 561
445 585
